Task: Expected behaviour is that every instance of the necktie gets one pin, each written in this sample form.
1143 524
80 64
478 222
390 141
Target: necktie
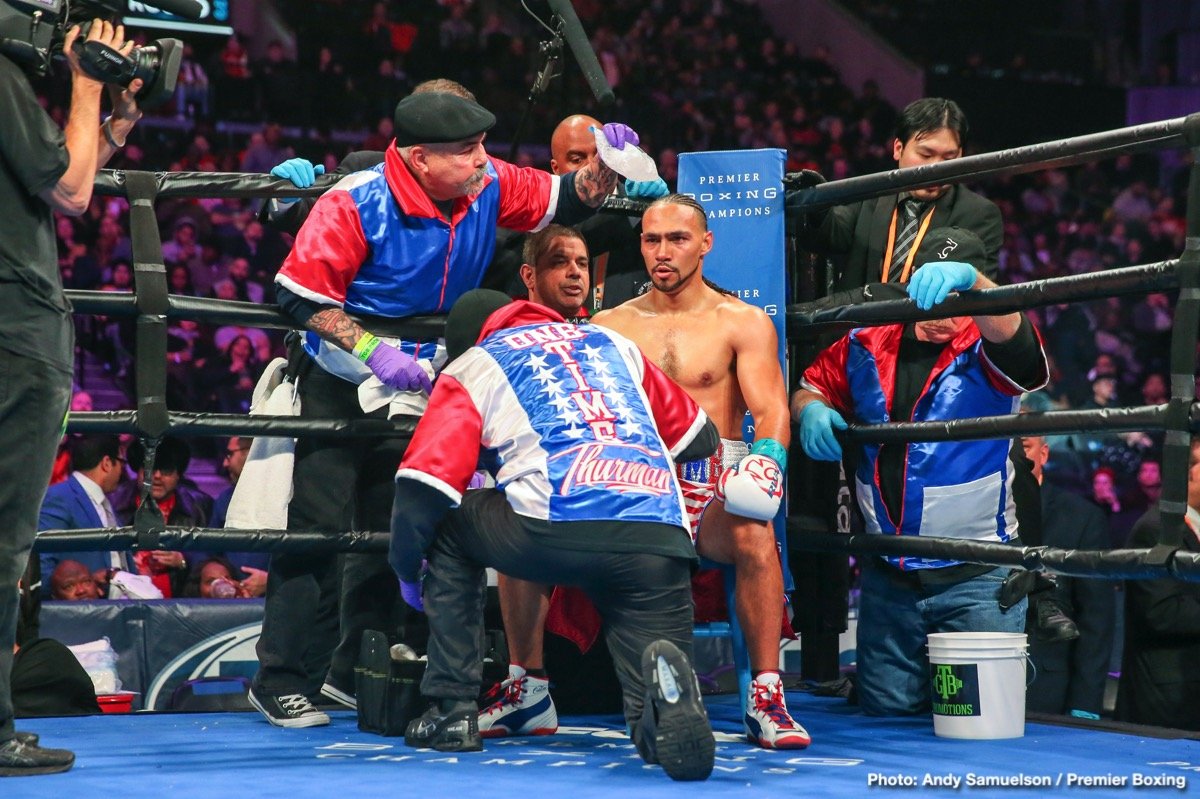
910 212
106 512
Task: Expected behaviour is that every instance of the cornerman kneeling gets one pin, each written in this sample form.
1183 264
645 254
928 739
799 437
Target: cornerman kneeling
582 434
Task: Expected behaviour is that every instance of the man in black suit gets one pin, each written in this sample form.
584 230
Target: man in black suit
880 237
1160 683
1071 674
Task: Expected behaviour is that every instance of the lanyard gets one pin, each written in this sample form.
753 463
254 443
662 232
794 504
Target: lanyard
912 254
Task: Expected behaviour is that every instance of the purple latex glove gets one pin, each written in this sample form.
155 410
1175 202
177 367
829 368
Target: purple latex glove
478 480
619 134
411 593
398 370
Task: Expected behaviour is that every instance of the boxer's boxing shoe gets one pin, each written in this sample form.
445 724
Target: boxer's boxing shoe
522 707
767 720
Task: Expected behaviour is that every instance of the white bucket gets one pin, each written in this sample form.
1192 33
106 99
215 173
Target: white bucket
978 684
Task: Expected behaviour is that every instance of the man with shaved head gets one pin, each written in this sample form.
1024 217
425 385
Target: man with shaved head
572 144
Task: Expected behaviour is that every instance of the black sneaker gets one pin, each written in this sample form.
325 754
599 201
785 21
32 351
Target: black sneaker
27 738
453 730
674 730
1053 623
346 698
21 759
289 710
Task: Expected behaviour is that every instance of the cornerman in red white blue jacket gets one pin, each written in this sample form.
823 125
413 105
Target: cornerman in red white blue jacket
582 434
935 370
407 236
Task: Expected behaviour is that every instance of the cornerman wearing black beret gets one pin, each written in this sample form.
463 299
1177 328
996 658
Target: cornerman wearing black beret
404 237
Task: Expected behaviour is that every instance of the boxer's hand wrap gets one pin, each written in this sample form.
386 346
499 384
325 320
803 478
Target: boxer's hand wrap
772 449
752 488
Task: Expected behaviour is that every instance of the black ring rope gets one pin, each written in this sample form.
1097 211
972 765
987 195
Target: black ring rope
1115 564
813 317
1170 133
237 312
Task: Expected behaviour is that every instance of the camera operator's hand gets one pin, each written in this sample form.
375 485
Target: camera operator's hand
124 104
100 31
125 109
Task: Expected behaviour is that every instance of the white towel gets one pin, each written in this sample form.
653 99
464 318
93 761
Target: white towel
127 585
261 496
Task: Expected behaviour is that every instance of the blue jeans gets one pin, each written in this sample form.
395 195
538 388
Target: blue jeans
895 615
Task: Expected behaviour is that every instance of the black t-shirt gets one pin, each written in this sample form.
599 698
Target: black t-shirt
36 318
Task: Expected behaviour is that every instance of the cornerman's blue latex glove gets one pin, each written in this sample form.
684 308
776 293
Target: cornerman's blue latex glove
646 189
411 593
299 171
618 134
817 423
933 281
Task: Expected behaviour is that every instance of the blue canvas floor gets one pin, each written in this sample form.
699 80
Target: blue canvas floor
230 755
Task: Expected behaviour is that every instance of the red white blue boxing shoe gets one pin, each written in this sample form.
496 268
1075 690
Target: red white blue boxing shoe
768 722
523 708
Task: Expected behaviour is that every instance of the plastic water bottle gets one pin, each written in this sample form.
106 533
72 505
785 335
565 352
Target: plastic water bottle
223 589
629 162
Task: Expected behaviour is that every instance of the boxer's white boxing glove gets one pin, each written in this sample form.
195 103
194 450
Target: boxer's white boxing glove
752 488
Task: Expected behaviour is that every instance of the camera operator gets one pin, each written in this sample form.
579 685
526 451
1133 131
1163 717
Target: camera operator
42 170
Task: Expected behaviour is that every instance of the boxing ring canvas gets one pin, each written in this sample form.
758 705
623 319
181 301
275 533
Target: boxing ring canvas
239 754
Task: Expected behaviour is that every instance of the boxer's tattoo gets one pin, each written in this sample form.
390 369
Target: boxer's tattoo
332 324
595 182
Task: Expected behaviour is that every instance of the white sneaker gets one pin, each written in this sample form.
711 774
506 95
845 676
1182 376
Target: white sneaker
524 708
768 722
